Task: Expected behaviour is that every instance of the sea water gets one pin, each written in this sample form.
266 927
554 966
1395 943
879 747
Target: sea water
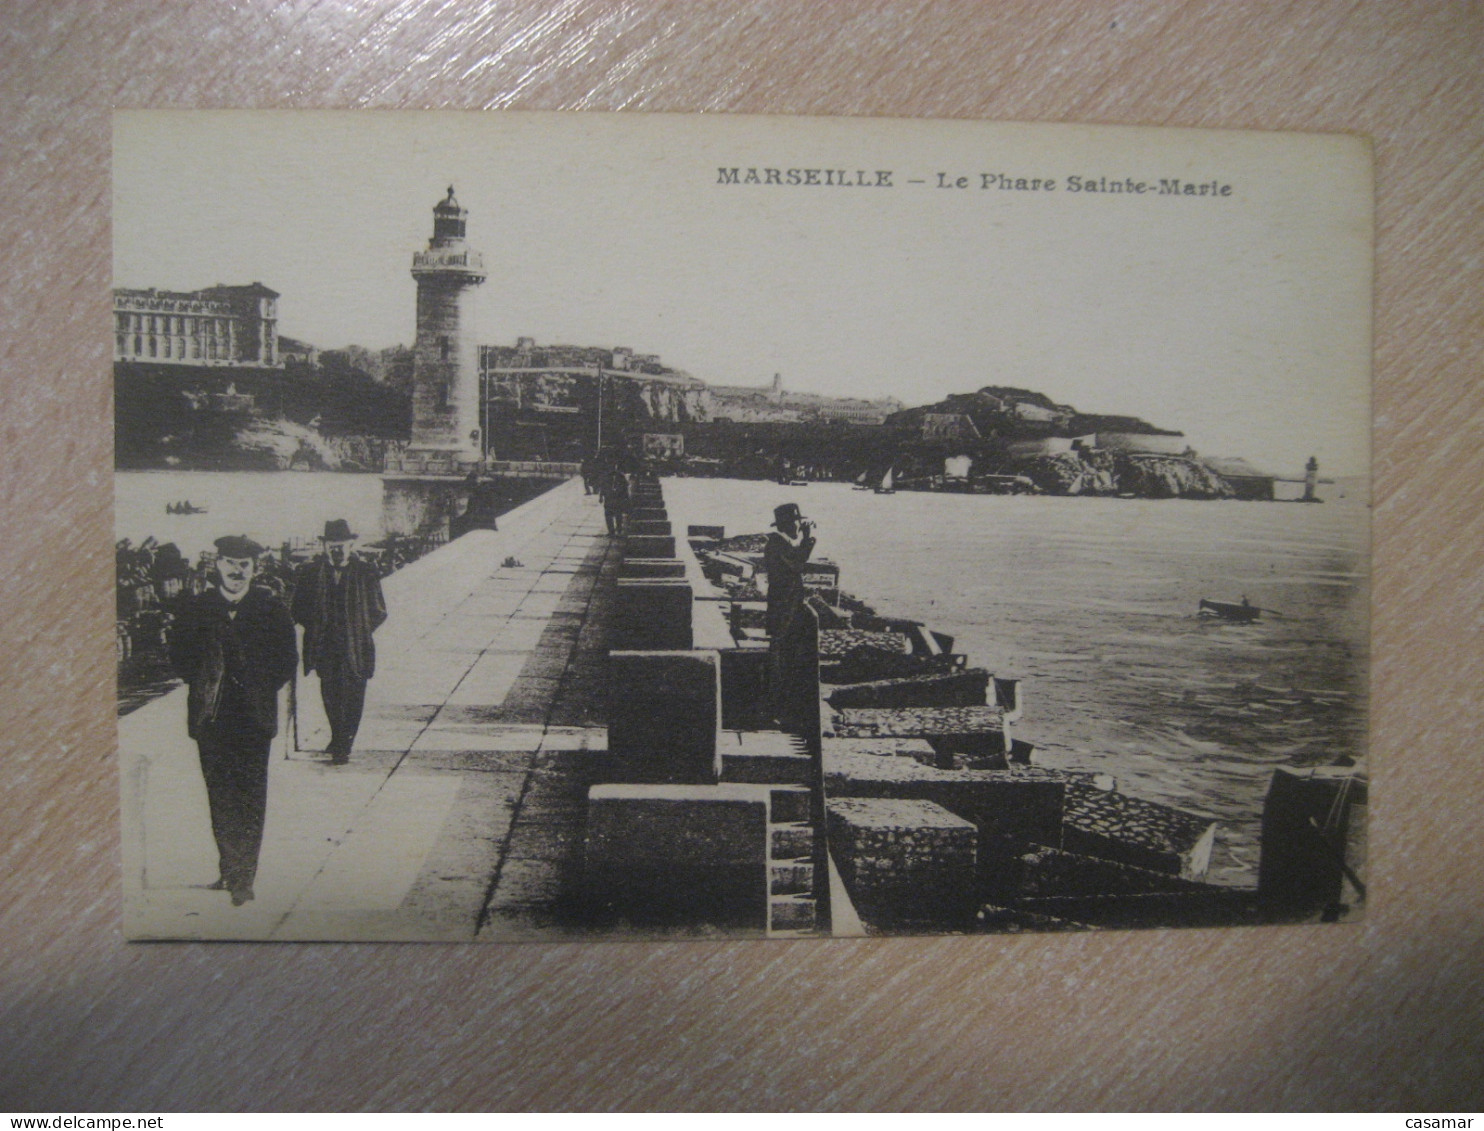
270 507
1092 603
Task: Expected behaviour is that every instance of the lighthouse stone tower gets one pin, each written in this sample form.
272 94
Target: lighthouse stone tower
445 397
426 487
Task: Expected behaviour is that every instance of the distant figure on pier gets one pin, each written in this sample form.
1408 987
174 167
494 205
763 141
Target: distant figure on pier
615 491
586 467
234 647
338 600
1311 479
784 558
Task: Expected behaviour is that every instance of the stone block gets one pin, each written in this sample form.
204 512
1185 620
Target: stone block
649 514
744 689
789 805
733 565
791 913
646 528
664 716
677 854
967 688
975 736
1146 834
765 757
716 532
906 863
651 567
648 546
652 614
792 878
792 843
1044 872
1024 805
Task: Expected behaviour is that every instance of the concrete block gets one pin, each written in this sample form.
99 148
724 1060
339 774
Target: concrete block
791 913
789 805
734 565
906 863
1024 805
918 748
1051 872
976 736
716 532
967 688
1146 834
648 546
792 843
791 879
651 567
676 854
649 514
647 527
652 614
664 716
768 756
744 689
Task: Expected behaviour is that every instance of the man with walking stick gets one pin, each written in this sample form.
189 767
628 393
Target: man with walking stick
338 600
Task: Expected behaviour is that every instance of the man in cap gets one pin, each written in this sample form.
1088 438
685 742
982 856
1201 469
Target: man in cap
233 644
337 598
784 558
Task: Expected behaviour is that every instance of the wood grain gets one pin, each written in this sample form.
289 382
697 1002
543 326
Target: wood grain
1385 1015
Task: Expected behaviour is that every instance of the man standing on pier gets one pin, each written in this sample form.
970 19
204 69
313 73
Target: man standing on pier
234 646
784 558
615 494
337 598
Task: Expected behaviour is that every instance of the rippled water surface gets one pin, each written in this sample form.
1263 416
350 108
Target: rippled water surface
1092 602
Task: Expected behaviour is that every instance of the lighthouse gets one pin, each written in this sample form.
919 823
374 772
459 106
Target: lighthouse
445 374
431 486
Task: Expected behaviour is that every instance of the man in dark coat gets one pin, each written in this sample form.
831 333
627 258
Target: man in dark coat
784 558
233 644
337 598
615 499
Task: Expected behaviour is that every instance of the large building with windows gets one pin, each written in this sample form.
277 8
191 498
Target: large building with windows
216 326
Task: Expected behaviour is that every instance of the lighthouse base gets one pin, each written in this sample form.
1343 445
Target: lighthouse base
452 504
424 504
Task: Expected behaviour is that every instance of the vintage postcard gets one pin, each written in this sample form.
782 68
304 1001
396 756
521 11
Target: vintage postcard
553 526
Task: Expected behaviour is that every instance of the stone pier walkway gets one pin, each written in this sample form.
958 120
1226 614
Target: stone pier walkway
461 811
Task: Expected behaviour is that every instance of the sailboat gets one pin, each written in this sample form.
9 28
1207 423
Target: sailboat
863 481
885 486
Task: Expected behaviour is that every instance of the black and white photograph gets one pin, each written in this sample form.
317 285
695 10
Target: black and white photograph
552 527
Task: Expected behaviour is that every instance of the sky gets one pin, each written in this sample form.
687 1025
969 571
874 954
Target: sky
1242 320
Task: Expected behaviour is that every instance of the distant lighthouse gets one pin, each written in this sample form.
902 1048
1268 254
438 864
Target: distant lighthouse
1311 480
445 374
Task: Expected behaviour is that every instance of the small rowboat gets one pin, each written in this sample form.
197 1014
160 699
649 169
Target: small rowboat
1243 613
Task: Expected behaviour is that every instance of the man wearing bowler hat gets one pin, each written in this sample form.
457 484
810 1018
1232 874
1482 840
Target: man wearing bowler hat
337 598
784 558
233 644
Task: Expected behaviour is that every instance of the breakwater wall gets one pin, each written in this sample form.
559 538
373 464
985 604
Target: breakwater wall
924 808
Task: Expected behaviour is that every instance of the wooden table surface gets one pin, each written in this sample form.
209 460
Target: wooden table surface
1388 1014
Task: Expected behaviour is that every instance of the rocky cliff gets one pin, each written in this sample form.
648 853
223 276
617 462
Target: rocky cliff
1110 473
